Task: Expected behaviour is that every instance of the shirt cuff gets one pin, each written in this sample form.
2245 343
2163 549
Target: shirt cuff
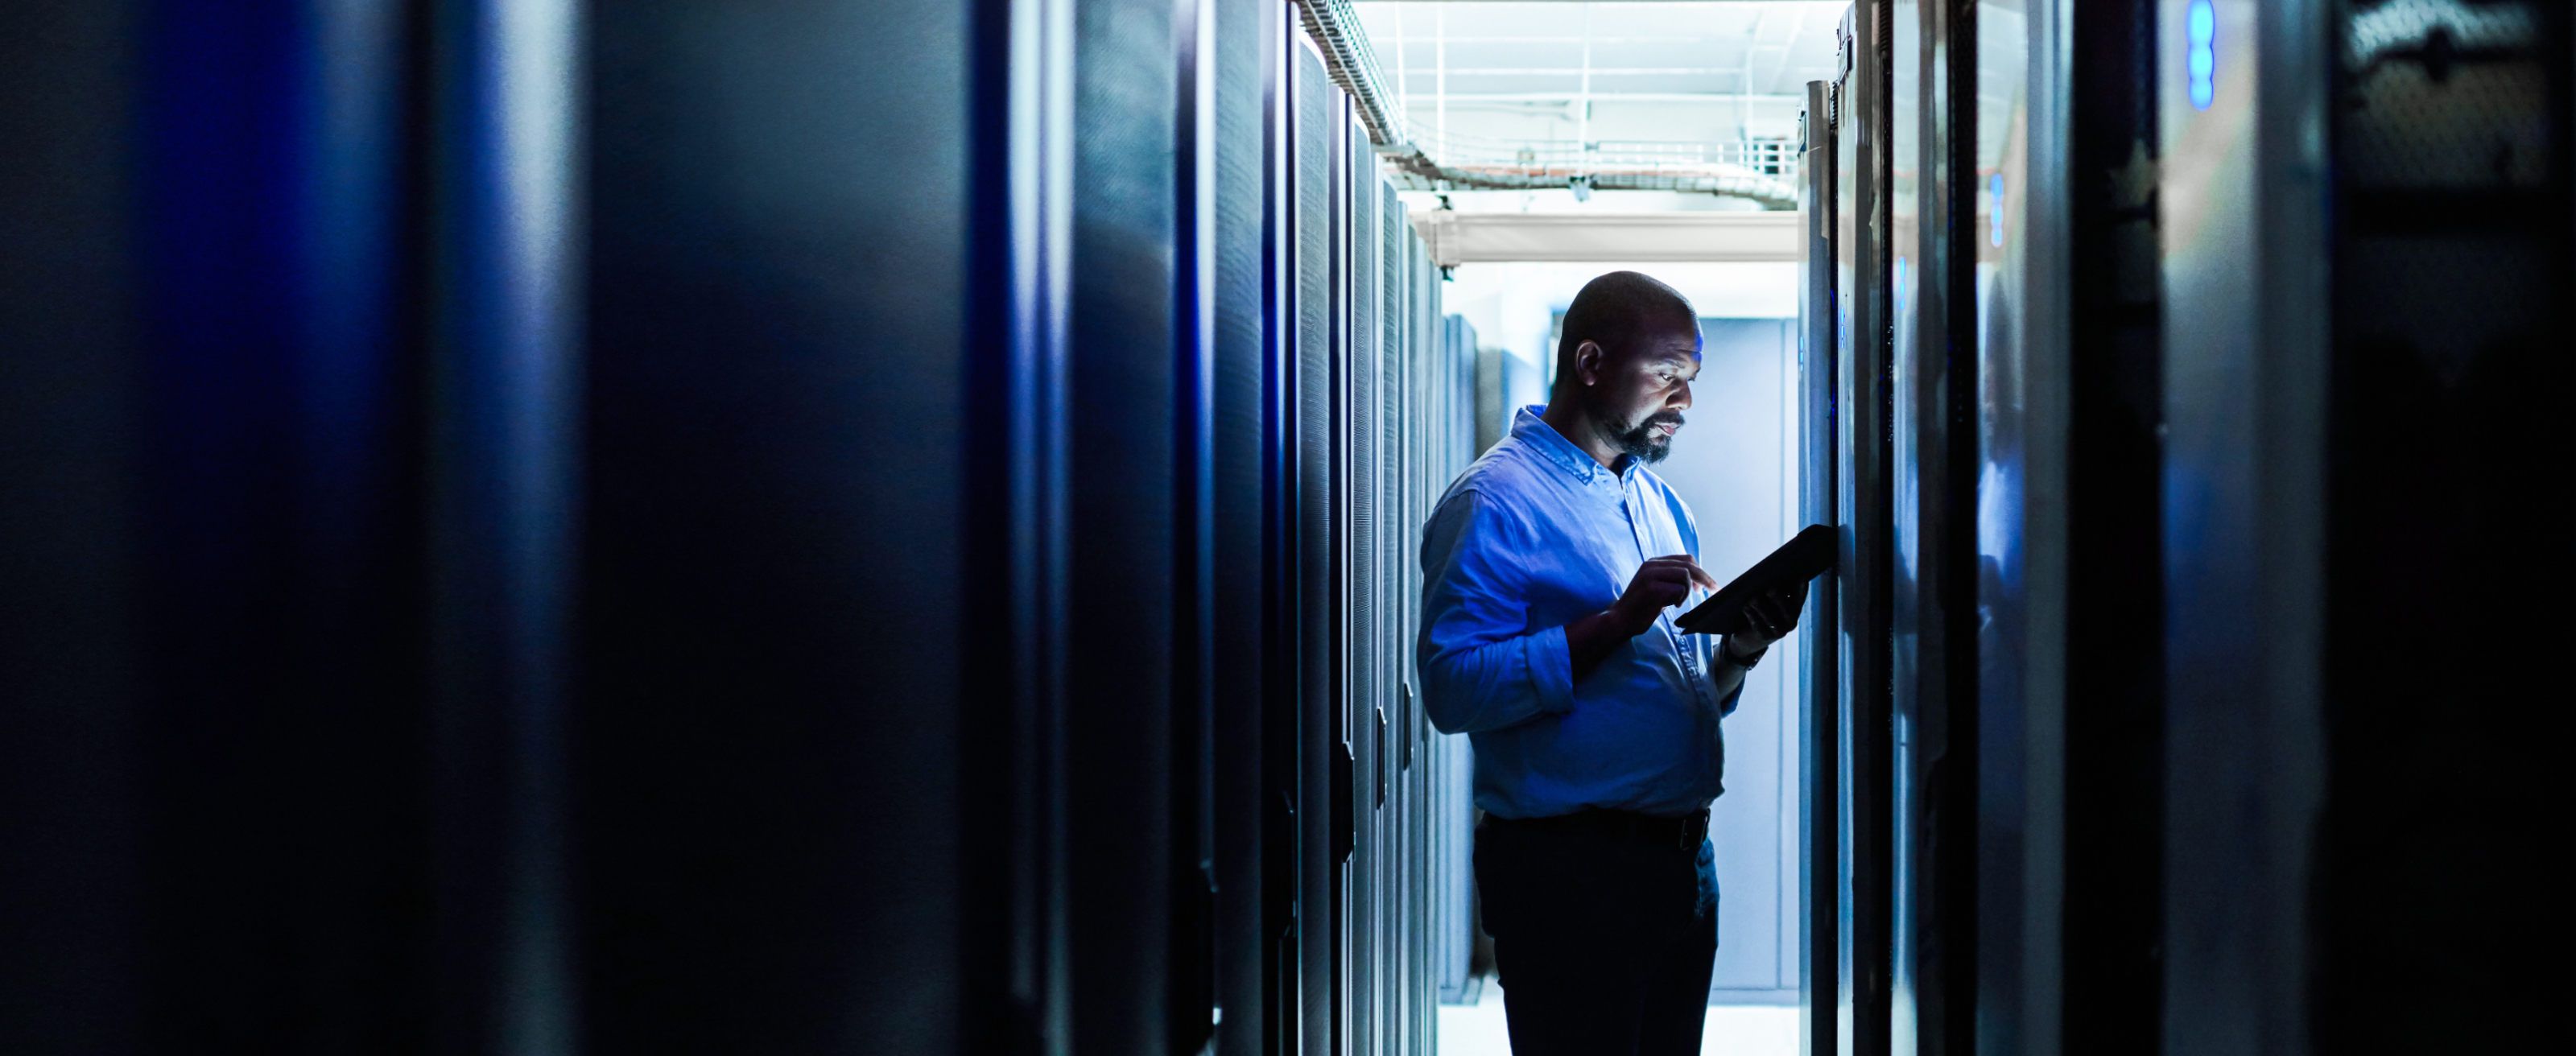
1551 668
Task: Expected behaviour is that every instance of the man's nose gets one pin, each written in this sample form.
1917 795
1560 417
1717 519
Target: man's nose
1680 399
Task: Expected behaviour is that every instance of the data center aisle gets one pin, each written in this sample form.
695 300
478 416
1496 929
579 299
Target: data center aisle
1479 1029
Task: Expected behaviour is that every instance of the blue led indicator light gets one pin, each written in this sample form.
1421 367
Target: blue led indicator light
1997 186
2202 27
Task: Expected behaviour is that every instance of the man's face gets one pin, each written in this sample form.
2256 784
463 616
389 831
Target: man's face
1639 397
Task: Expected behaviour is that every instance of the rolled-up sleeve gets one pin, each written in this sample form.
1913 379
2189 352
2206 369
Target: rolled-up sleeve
1482 667
1725 677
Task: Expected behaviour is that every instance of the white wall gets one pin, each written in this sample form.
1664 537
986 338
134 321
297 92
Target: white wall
1734 463
1510 304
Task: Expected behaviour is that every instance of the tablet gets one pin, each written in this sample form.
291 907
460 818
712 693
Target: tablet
1805 556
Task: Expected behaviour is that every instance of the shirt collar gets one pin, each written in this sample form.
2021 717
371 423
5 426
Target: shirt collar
1529 427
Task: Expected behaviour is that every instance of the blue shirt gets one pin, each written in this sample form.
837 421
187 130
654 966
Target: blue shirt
1536 535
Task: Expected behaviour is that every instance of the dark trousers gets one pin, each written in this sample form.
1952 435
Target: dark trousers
1604 934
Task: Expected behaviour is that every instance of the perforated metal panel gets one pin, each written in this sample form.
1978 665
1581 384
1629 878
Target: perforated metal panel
1452 773
2452 248
1251 726
1314 131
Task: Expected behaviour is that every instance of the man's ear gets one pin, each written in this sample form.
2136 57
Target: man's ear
1587 362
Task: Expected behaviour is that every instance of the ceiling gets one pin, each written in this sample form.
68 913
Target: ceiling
1658 88
1540 52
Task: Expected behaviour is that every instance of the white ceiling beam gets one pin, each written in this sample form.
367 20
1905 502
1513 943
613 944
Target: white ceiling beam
1598 71
1619 97
1465 238
1551 39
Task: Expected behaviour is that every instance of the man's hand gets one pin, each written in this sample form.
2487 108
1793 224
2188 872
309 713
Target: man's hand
1767 619
1658 585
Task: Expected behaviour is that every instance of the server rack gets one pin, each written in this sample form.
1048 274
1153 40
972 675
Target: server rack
2451 247
1249 839
1932 426
1453 808
1820 917
2367 240
1862 438
2248 302
1315 128
2110 597
1370 366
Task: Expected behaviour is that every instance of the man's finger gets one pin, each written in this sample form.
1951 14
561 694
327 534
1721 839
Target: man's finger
1697 574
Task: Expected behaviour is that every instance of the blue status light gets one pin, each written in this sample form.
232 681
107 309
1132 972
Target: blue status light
2202 27
1998 211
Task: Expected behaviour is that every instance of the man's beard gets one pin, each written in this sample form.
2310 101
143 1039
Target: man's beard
1642 442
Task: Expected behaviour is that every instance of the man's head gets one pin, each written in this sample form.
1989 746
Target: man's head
1625 363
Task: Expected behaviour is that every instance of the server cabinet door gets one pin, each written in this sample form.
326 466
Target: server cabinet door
1864 724
1315 130
1819 982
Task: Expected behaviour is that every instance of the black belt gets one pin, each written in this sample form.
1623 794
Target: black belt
1686 832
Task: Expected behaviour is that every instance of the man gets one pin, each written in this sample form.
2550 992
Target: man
1552 570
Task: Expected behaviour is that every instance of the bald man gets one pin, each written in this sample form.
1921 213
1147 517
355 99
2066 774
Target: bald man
1552 572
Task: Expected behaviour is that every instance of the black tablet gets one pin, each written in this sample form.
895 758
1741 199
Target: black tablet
1805 556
